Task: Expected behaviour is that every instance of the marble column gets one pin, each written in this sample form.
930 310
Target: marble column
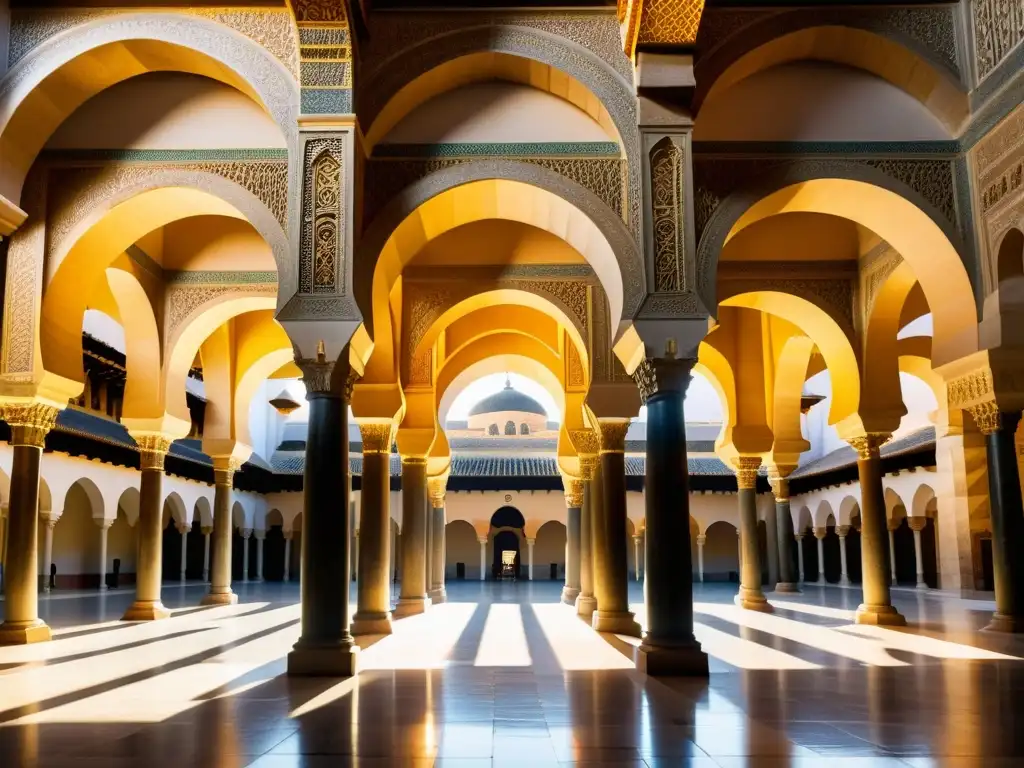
325 647
246 535
207 530
288 556
892 525
844 575
799 539
355 555
483 557
436 491
771 530
701 538
611 579
220 592
1007 513
260 537
788 580
750 595
820 533
877 606
104 524
153 448
373 582
573 501
29 423
49 523
183 530
413 597
638 541
917 524
529 558
669 647
586 603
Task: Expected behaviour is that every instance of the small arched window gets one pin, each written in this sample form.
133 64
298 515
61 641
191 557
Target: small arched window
492 430
524 428
510 427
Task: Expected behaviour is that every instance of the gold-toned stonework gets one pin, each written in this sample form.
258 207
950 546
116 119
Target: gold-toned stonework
971 388
326 206
224 468
746 471
586 442
29 422
613 436
986 416
377 436
153 448
319 11
667 184
867 446
779 484
436 487
573 491
659 23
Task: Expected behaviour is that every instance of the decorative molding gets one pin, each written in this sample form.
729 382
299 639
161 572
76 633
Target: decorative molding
494 272
829 148
600 149
325 57
77 157
668 216
746 471
317 374
969 389
662 375
182 301
998 29
322 257
220 277
576 375
30 422
873 277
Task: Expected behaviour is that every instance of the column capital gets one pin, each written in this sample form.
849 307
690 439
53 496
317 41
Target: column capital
29 421
530 542
799 536
778 478
183 528
585 441
328 378
820 532
746 471
481 539
153 448
224 468
206 529
638 537
377 436
436 488
869 444
50 520
701 538
104 522
917 524
414 460
246 532
892 523
260 534
842 531
612 435
288 535
662 375
573 487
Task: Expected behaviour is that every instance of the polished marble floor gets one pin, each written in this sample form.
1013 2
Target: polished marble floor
503 675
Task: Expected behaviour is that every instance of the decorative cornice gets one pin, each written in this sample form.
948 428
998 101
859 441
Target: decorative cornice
29 422
807 148
867 446
746 471
221 277
608 149
224 468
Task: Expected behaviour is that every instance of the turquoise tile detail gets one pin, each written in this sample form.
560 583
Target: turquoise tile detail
326 101
168 155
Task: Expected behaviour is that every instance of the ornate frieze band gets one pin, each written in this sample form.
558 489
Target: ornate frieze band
322 257
325 57
668 215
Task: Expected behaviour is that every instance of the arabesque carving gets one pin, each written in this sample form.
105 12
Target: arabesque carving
153 448
868 445
30 422
322 250
998 29
663 374
668 217
377 436
612 435
573 491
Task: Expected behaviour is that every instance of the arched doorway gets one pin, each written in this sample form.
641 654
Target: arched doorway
721 552
273 547
549 551
506 535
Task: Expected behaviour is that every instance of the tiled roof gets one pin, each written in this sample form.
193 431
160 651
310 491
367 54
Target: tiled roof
847 457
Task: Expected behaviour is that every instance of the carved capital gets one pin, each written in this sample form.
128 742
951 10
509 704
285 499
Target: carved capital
29 422
867 446
970 389
779 482
246 532
842 531
657 375
436 487
613 435
917 523
182 528
153 448
893 523
987 416
224 468
207 530
377 436
573 491
820 533
585 441
746 471
288 535
701 538
317 375
104 522
587 464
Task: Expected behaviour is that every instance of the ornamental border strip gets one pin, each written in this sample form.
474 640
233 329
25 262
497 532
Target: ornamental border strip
599 149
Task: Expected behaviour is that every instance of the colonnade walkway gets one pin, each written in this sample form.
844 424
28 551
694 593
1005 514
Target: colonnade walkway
503 674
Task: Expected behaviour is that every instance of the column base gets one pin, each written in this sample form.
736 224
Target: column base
146 610
1002 622
618 622
410 606
586 605
672 661
569 595
844 581
753 600
879 615
437 596
367 623
24 632
922 585
219 598
320 661
787 588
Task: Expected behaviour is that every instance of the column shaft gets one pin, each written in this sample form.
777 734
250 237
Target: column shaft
800 555
919 560
245 556
701 538
413 598
220 570
288 557
47 550
1007 524
529 558
821 555
259 559
437 552
892 555
373 585
844 574
788 578
750 595
104 528
184 552
149 557
206 554
637 542
572 555
483 558
586 603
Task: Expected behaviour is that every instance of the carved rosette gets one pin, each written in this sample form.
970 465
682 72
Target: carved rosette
655 375
29 422
868 446
746 471
153 448
436 487
224 468
377 436
613 435
573 491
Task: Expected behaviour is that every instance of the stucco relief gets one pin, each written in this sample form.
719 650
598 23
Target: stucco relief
999 164
322 249
184 301
24 280
668 216
834 296
998 29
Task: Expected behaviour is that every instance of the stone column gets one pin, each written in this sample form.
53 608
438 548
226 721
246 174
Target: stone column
586 445
207 530
892 525
799 538
573 502
788 580
750 595
844 575
771 530
355 555
701 538
819 534
246 535
373 582
220 593
325 646
153 448
877 606
260 536
287 556
29 423
529 558
917 525
183 530
669 646
413 598
104 524
611 580
638 541
436 491
483 557
50 523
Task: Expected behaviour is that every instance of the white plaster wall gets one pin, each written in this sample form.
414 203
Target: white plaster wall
462 546
168 110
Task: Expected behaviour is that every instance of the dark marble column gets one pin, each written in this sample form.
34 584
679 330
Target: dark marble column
413 597
29 423
149 530
436 491
325 647
224 468
669 647
788 580
874 542
585 601
573 503
751 595
611 576
1007 514
373 584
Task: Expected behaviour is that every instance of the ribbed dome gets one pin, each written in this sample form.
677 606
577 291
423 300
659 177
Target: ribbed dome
508 399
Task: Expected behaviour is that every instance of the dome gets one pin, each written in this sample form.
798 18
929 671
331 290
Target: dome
508 399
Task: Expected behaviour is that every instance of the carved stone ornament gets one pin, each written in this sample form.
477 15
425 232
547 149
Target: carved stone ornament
868 446
986 415
224 469
668 216
436 487
842 531
657 375
820 532
780 485
317 374
208 529
588 463
746 471
965 391
613 435
153 447
998 29
573 491
377 436
586 442
29 422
